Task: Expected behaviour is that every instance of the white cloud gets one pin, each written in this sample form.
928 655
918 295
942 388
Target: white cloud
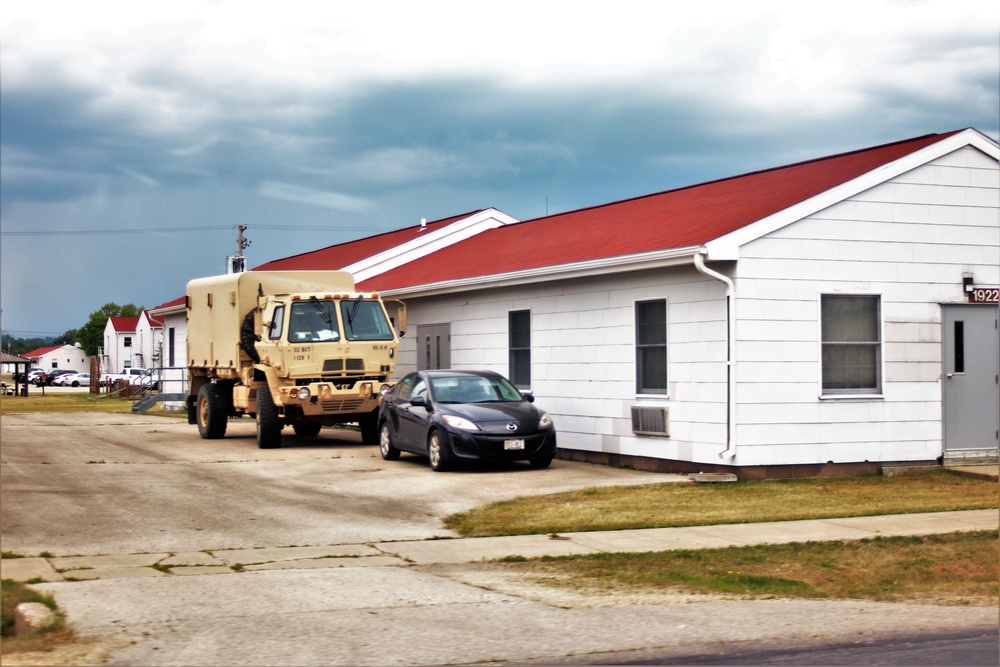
325 199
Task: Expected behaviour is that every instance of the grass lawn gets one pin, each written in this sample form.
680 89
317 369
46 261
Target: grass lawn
81 401
680 504
956 568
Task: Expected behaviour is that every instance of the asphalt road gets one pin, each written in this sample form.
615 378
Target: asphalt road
99 484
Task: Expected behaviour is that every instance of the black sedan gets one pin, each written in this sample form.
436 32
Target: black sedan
451 416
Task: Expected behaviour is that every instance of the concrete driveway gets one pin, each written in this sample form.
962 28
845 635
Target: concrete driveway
87 484
84 484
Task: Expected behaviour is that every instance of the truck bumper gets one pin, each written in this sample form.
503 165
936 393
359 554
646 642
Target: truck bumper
323 398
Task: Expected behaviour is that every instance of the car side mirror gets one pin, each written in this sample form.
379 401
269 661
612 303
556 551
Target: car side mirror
419 400
528 396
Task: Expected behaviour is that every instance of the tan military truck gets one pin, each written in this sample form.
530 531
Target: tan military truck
291 348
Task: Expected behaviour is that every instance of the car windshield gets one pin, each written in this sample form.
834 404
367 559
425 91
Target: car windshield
474 389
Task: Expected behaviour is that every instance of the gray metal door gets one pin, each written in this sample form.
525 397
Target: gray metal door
433 346
971 381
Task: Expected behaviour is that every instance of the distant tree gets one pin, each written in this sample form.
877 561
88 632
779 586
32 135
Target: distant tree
68 338
91 335
21 346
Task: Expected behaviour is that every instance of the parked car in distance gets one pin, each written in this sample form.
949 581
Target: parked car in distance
28 376
74 380
56 373
42 379
451 416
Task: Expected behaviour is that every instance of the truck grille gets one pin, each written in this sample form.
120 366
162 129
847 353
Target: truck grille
341 405
334 365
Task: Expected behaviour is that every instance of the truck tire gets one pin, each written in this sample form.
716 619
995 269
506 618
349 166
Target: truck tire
369 428
268 422
211 413
307 429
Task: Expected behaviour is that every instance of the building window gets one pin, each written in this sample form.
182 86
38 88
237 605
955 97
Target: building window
171 340
852 344
651 347
127 341
519 346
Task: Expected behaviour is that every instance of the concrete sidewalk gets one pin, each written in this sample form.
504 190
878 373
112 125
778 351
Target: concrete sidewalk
465 550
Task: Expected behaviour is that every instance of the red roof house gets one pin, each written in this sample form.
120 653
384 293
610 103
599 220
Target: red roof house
791 321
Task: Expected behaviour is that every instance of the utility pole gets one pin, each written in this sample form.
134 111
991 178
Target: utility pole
237 263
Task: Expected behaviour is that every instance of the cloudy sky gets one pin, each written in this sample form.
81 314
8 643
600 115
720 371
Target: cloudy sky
136 136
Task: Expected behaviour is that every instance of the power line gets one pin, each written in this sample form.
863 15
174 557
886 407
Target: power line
162 230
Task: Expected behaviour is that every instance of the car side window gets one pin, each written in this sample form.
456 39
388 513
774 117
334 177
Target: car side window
419 389
405 387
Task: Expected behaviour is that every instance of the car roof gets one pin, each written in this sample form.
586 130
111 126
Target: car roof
442 373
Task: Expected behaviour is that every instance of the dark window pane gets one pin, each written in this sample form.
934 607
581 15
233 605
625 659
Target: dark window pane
651 346
852 348
519 346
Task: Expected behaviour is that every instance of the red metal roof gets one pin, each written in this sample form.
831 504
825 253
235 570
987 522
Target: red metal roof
34 354
684 217
124 324
338 256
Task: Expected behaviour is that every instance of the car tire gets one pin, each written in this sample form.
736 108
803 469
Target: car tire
307 429
268 422
212 417
540 462
388 451
437 452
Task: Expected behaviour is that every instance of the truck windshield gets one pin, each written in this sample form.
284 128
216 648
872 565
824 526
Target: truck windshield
365 320
313 321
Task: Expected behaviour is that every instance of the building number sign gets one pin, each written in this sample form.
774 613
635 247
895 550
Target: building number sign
984 295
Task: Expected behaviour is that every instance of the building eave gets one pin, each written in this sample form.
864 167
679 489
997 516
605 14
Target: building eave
597 267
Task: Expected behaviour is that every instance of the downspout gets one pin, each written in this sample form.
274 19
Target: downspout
699 263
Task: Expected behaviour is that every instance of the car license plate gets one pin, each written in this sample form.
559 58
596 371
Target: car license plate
513 444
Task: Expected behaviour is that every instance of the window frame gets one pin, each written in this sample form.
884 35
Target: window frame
642 347
515 352
877 391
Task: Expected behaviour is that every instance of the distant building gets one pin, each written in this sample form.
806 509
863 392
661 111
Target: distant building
70 357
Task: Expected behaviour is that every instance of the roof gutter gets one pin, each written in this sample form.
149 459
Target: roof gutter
699 263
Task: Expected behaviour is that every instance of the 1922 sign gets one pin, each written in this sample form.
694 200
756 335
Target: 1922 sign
984 295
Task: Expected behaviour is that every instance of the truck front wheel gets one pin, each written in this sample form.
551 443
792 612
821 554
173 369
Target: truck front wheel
268 422
212 418
369 428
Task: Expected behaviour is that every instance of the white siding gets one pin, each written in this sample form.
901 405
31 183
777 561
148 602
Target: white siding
583 355
908 240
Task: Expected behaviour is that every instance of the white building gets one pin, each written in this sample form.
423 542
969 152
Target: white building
171 345
130 342
835 312
71 357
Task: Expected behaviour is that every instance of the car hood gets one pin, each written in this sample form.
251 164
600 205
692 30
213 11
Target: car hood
486 413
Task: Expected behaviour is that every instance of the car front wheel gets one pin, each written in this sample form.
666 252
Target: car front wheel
437 452
388 451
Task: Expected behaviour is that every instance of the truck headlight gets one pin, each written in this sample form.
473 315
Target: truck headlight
303 393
